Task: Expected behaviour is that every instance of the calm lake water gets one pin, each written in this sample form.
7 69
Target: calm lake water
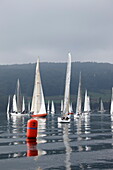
86 143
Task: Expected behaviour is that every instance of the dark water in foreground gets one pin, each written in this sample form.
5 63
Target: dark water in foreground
86 143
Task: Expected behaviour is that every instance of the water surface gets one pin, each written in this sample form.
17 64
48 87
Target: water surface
85 143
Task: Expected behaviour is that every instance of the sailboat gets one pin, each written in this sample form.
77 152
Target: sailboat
48 107
18 105
87 108
14 107
101 106
111 108
79 100
70 109
65 118
38 103
52 108
23 105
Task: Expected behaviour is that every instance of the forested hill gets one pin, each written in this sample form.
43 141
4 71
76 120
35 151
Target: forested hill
96 77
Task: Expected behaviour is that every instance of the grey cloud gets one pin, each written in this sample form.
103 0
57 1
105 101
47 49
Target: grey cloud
52 28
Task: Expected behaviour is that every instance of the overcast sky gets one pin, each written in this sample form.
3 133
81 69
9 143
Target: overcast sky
52 28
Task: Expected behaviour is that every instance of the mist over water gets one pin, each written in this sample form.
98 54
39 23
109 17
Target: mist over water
85 143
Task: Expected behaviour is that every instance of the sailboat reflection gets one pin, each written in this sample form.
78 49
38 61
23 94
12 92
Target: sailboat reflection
18 126
87 126
79 131
41 130
15 129
87 130
68 148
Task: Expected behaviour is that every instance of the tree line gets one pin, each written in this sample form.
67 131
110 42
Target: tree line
97 78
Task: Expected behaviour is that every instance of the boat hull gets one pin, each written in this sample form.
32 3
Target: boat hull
19 114
77 116
60 120
40 115
102 111
71 113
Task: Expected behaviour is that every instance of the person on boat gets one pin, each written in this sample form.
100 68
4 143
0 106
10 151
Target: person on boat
66 118
63 118
23 112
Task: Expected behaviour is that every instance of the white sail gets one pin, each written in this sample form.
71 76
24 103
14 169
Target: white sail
29 107
18 105
38 103
79 98
70 108
43 107
86 102
8 106
52 108
111 109
89 108
61 105
19 97
48 107
101 106
65 117
14 104
67 87
23 105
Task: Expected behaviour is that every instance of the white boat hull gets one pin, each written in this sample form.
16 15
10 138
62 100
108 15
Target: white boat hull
19 114
77 116
86 112
60 120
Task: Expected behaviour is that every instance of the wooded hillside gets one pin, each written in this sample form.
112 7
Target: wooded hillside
97 78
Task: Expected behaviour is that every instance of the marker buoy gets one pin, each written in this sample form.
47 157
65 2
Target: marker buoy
32 130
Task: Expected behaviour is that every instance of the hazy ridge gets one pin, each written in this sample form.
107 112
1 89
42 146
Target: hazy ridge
97 78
